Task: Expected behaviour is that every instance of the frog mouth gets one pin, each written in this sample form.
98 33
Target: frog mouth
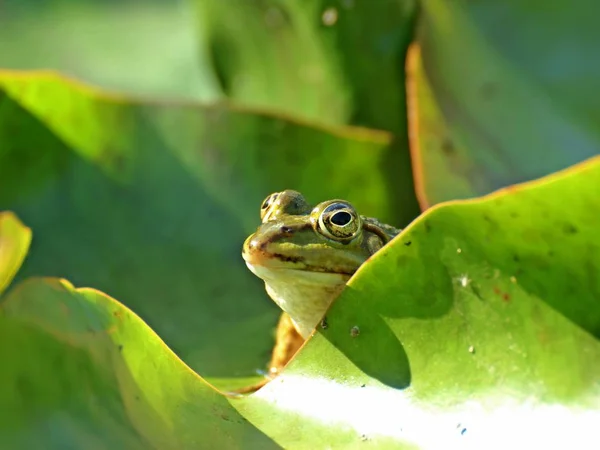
276 262
295 275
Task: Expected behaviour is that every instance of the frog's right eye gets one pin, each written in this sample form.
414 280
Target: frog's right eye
339 221
266 205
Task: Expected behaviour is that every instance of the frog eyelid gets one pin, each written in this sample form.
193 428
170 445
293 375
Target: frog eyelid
266 206
268 201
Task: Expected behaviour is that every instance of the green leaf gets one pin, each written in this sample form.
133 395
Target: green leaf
14 243
82 371
151 202
495 104
335 61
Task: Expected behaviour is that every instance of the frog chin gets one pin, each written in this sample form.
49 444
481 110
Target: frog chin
305 295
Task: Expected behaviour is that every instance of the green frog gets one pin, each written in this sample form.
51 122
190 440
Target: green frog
305 255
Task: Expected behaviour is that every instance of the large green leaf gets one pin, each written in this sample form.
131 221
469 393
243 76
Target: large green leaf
502 94
484 333
150 202
82 371
338 61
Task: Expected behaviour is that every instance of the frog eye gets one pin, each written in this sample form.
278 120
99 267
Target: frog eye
339 221
266 204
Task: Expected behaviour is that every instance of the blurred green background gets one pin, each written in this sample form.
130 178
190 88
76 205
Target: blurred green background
145 47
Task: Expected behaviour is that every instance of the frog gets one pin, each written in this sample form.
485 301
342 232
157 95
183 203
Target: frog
305 255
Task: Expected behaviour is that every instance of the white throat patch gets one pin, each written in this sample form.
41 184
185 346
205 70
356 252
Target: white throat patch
304 295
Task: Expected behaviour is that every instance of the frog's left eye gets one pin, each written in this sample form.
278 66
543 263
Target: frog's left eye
266 204
339 221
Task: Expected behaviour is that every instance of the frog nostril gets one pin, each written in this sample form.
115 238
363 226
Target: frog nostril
286 230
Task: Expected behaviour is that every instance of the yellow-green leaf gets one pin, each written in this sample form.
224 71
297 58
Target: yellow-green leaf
14 243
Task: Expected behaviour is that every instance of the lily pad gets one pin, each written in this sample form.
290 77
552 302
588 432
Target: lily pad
493 105
82 371
151 202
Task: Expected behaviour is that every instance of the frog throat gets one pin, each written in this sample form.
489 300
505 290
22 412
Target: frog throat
304 295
